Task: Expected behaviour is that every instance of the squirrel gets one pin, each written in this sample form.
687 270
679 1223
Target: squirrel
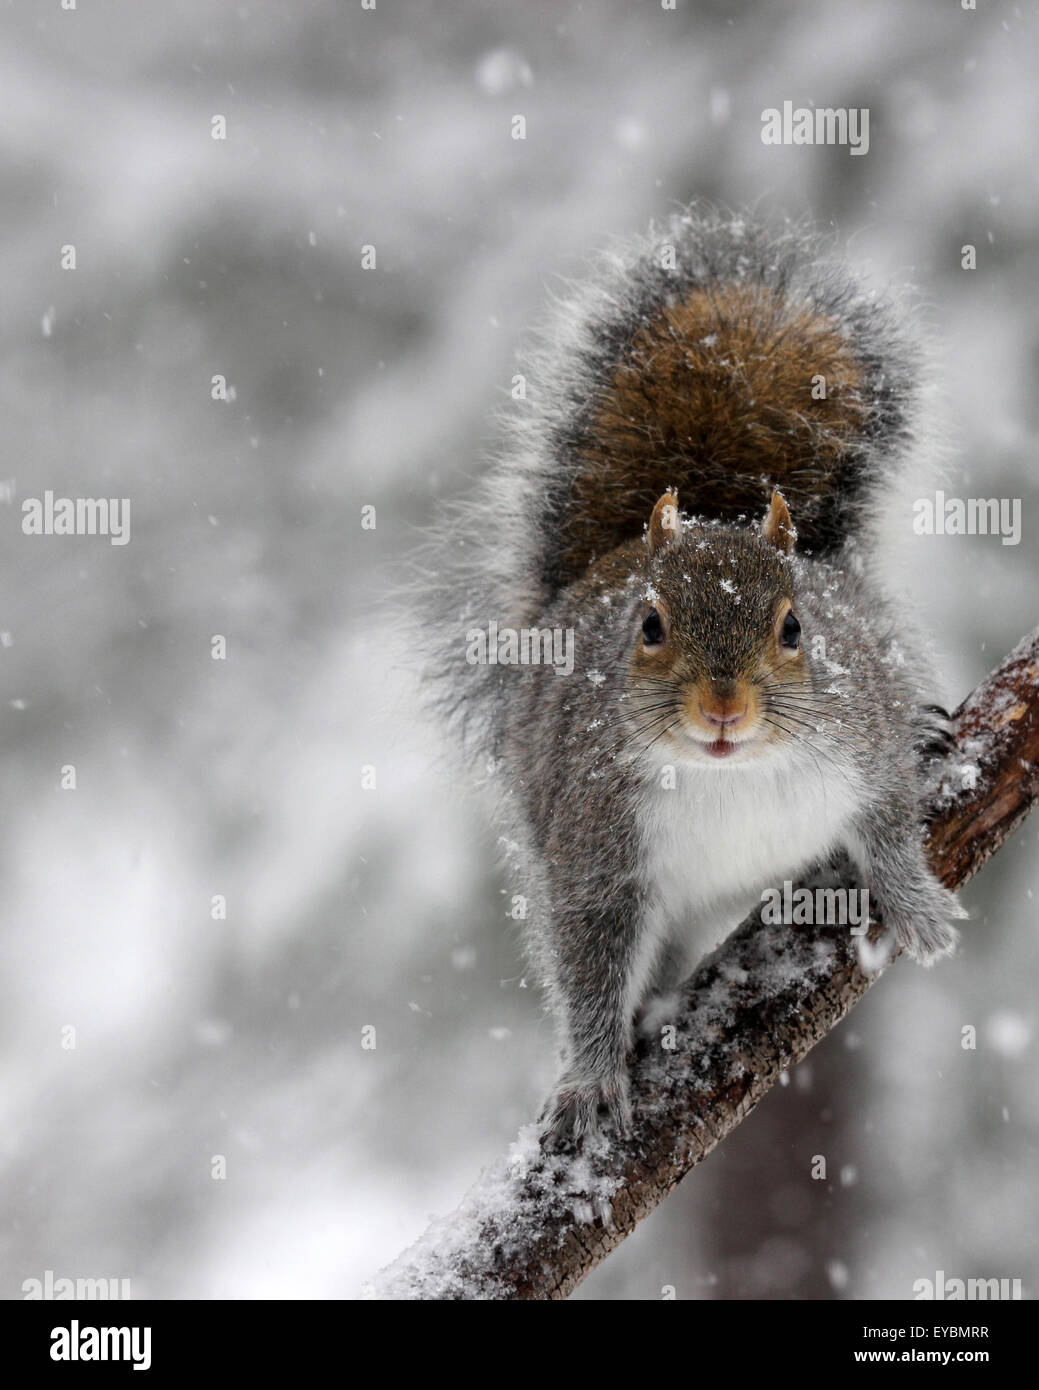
692 495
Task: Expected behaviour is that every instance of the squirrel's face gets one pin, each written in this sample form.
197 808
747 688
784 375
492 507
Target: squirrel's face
717 662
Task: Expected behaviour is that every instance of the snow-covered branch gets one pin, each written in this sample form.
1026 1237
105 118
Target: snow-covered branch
535 1225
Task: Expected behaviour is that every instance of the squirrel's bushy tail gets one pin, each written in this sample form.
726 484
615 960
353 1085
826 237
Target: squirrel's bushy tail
720 357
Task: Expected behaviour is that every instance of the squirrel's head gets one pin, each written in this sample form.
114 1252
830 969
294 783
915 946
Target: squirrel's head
717 665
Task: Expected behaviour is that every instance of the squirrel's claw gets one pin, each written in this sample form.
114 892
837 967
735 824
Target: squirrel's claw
928 934
577 1107
934 735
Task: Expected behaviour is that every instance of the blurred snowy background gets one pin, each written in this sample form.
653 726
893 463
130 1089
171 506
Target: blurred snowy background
197 1037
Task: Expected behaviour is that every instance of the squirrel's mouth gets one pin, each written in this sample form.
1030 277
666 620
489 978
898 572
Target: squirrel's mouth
721 748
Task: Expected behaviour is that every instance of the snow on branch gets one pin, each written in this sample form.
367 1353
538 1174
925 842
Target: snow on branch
535 1225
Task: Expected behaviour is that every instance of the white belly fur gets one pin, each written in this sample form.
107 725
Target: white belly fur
723 835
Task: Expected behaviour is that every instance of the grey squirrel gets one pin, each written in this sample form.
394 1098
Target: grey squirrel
691 492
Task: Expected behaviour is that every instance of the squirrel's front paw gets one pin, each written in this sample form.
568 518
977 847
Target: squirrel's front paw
578 1104
922 926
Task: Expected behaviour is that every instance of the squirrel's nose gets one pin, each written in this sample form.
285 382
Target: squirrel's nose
724 713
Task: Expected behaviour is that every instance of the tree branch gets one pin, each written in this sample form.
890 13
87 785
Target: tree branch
535 1225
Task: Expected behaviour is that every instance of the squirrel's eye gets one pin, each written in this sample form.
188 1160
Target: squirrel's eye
652 629
791 634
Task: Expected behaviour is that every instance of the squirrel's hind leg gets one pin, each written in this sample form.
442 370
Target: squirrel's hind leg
662 1001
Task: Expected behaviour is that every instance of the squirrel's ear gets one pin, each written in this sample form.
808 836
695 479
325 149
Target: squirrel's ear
777 528
664 525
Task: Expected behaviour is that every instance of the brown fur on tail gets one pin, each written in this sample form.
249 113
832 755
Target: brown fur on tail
727 393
